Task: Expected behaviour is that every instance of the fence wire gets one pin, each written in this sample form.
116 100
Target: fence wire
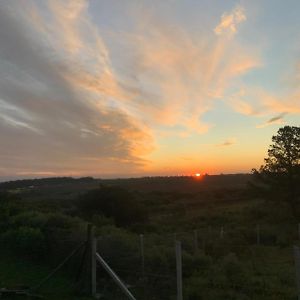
215 265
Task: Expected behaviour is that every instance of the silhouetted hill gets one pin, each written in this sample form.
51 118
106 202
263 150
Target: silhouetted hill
37 182
146 184
182 183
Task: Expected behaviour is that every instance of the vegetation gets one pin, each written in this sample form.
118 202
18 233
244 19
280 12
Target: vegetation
242 248
279 177
112 202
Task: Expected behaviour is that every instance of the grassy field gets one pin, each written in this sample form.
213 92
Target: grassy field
15 272
244 244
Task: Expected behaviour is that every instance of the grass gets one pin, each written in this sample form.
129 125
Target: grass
14 273
233 267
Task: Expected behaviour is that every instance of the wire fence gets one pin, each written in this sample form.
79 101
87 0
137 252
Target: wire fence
214 265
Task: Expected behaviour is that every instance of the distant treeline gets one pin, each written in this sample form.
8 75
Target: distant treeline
158 183
182 183
25 183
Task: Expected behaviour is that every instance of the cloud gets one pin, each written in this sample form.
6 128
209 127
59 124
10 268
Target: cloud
288 103
237 102
56 90
229 142
275 120
177 76
257 102
230 21
76 99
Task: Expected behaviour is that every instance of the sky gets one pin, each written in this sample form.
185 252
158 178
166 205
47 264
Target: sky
112 88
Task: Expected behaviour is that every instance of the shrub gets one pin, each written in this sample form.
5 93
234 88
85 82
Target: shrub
29 219
4 210
25 241
113 202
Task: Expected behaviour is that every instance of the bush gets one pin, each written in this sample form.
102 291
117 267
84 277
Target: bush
25 241
101 220
4 210
29 219
113 202
233 269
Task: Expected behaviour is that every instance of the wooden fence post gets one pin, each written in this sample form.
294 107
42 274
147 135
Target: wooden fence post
297 267
179 269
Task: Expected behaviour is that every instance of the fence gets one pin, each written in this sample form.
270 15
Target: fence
208 263
164 266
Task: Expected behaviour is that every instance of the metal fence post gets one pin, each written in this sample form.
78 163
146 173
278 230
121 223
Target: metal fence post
115 277
297 267
196 240
92 245
94 268
222 232
142 254
258 234
179 269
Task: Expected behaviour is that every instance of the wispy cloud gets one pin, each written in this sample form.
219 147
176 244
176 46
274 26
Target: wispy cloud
228 142
178 76
275 120
257 102
70 103
240 105
56 93
230 21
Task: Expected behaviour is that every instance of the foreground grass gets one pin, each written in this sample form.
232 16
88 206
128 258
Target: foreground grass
14 272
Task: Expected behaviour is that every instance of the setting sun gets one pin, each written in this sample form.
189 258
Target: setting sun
144 100
108 112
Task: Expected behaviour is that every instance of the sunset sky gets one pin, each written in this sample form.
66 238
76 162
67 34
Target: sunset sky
111 88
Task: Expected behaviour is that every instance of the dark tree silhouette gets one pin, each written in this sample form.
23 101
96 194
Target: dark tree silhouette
279 177
113 202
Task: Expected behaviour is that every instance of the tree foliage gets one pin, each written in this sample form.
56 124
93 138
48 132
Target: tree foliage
279 177
113 202
284 153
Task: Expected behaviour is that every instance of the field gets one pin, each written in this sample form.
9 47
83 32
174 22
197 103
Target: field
234 244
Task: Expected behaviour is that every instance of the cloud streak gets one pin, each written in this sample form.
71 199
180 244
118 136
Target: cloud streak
258 102
177 76
50 117
275 120
72 102
228 142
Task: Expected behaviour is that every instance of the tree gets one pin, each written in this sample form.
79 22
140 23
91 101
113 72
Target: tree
113 202
279 177
4 210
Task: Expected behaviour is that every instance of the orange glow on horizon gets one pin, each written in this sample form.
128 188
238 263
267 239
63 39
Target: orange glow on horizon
198 176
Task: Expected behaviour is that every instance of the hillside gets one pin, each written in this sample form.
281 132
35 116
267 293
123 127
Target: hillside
222 227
